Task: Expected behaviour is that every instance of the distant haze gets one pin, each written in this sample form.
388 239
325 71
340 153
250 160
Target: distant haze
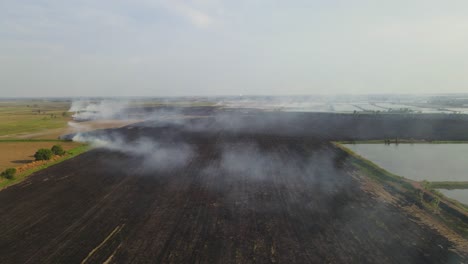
209 47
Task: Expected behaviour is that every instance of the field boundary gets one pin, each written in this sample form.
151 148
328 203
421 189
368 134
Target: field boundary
452 213
382 175
448 185
5 183
29 140
401 141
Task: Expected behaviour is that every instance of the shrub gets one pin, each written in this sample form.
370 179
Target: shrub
43 154
9 173
57 150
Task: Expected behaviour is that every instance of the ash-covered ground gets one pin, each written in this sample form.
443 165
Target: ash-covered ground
227 188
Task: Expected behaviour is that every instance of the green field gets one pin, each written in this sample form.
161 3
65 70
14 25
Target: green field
25 126
20 118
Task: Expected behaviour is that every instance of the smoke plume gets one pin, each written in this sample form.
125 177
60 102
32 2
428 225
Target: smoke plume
153 155
95 110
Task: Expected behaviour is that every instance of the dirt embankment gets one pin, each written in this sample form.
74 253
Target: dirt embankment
36 163
416 213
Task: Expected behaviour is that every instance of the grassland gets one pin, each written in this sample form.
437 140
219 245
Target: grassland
25 127
24 119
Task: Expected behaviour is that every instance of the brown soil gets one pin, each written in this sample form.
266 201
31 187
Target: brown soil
303 206
17 154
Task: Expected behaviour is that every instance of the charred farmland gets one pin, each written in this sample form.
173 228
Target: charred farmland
228 188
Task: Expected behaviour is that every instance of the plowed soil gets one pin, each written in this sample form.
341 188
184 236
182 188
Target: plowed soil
292 200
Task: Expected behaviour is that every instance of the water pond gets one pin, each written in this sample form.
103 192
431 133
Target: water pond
459 195
431 162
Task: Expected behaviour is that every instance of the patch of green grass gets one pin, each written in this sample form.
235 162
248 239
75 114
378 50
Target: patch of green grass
10 125
448 185
18 117
22 176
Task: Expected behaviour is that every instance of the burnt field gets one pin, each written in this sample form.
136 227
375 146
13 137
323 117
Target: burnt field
217 190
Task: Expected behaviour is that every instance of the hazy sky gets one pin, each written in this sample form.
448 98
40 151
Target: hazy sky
209 47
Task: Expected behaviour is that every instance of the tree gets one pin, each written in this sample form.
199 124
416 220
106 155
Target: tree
57 150
43 154
9 173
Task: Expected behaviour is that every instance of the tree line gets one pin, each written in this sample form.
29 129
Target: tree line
41 154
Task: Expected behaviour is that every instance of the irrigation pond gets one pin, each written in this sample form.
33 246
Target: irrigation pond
430 162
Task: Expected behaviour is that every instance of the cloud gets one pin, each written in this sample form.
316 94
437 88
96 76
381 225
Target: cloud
218 47
192 14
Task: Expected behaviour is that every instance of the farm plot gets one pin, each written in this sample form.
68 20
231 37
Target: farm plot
230 199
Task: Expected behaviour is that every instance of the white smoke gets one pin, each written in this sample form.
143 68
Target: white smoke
153 155
246 160
250 161
92 110
98 141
